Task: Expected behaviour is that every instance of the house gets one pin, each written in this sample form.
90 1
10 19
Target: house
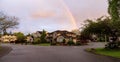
8 38
37 34
56 36
49 37
59 36
60 39
29 39
33 36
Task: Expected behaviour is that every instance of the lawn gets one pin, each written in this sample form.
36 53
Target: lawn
108 52
0 47
43 44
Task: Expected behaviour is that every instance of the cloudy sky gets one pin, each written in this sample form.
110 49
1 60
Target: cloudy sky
51 15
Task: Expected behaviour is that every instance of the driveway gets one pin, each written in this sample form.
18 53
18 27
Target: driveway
29 53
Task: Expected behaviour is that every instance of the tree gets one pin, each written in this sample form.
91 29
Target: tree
114 9
1 21
103 28
109 26
20 37
76 31
43 36
99 27
36 41
7 22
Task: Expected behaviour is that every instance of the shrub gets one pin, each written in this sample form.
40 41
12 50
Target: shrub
70 42
53 43
36 41
78 43
111 45
20 37
64 41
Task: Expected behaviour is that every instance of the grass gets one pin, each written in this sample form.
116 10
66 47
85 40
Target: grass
0 48
43 44
108 52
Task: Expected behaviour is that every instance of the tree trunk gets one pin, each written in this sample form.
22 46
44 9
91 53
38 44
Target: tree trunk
4 32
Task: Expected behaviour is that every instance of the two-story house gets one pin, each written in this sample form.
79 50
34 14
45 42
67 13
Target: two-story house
31 37
59 36
8 38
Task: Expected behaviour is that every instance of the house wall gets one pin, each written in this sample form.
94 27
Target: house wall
29 39
60 39
8 38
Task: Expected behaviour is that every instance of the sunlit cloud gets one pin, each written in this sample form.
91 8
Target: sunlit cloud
42 14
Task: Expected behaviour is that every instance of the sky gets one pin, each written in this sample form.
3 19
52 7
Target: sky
51 15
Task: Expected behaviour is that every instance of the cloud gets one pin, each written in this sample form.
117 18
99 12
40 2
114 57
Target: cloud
43 14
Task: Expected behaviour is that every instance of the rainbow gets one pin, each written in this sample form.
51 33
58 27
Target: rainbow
69 13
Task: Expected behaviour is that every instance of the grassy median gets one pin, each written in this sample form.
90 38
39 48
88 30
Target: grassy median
108 52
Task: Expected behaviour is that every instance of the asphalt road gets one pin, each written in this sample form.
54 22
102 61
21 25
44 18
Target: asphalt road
4 50
29 53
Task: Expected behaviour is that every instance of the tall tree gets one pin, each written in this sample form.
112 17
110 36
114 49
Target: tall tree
114 9
98 27
7 22
43 36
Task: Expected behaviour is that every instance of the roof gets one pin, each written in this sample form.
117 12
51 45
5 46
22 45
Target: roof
63 32
39 32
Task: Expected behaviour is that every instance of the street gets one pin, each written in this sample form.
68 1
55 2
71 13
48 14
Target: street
30 53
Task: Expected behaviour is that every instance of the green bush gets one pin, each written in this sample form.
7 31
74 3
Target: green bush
111 45
53 43
64 41
70 42
118 42
36 41
78 43
20 37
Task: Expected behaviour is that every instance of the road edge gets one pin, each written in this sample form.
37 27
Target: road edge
4 51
